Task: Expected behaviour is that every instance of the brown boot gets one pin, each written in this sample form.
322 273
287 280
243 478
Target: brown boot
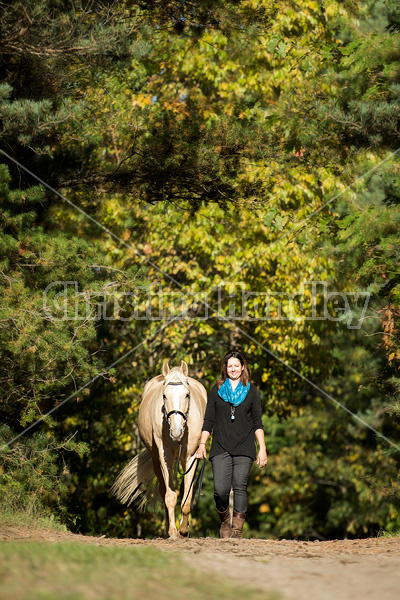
237 524
225 530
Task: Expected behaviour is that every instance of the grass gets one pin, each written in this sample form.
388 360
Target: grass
84 571
30 519
389 534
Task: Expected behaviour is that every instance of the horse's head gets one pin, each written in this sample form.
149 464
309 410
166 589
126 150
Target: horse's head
176 399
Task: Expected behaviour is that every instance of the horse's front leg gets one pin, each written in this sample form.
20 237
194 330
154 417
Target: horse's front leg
161 483
186 499
166 464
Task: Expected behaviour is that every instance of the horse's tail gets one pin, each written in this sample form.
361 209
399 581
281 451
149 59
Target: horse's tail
135 480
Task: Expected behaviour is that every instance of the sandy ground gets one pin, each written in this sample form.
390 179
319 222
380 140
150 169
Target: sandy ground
332 570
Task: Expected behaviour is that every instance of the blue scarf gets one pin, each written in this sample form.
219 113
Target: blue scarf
234 397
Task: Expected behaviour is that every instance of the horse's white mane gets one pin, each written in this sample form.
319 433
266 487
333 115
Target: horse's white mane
176 375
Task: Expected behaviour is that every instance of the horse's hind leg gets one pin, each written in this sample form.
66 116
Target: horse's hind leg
186 496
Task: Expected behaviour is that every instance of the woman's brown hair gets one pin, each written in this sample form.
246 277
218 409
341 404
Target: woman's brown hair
245 377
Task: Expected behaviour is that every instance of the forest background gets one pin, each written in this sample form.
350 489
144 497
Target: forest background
185 146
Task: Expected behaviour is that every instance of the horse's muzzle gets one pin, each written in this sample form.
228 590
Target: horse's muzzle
176 427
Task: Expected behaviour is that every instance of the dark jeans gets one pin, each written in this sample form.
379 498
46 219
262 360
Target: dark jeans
231 472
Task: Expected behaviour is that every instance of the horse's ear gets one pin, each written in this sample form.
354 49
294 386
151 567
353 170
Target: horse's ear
165 369
184 368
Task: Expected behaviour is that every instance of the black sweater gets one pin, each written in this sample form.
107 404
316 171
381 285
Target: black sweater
236 437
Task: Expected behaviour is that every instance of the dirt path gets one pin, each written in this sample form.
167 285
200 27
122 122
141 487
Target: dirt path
333 570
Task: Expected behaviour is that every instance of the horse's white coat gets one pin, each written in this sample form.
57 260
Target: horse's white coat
162 441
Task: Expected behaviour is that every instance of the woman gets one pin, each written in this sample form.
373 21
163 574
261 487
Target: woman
233 413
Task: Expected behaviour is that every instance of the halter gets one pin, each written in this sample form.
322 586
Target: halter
175 412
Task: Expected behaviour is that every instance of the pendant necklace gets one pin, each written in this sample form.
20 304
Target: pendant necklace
232 412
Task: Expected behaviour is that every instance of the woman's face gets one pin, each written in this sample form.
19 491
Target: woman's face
234 368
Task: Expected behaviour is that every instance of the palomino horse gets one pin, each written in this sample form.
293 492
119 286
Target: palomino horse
170 416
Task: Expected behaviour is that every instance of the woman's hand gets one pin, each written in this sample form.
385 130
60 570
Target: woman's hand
201 451
262 458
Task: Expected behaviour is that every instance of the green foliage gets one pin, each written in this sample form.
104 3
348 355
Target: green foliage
363 107
31 486
326 478
41 354
216 141
364 241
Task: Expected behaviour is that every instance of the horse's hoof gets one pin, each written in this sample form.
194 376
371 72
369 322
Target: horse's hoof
184 534
173 535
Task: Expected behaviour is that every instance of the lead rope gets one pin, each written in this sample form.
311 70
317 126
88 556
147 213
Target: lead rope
199 482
